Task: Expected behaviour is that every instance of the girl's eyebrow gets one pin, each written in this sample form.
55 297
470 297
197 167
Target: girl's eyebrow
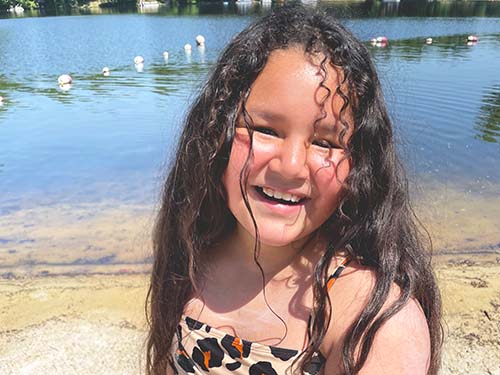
271 116
327 128
266 114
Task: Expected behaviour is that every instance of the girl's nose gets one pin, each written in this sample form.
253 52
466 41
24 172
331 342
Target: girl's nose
290 160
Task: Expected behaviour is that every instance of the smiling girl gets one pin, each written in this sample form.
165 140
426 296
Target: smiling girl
285 243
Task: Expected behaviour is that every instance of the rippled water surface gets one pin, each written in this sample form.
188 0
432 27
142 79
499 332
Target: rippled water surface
81 169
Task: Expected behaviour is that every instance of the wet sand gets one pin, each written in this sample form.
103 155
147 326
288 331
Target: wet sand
109 237
75 238
95 324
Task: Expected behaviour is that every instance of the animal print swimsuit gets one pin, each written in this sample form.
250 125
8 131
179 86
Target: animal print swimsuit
200 348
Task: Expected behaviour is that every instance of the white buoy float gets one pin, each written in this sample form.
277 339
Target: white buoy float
165 55
105 71
200 40
139 67
187 47
64 80
380 41
472 40
428 41
1 100
65 87
139 63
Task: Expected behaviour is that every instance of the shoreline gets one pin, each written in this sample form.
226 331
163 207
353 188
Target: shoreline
95 324
43 270
84 238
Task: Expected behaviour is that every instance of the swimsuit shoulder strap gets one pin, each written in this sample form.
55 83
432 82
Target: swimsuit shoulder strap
335 275
331 280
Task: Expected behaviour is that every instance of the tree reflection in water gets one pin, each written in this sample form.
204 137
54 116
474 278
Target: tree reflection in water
488 121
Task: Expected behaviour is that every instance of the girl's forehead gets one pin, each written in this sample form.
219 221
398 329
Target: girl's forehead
292 70
293 86
297 58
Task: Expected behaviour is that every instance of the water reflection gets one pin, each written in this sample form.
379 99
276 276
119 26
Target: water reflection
201 51
446 47
6 85
488 122
424 8
149 7
165 79
350 9
246 7
363 9
169 76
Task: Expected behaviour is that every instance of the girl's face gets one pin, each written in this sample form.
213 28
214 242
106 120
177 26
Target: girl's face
297 168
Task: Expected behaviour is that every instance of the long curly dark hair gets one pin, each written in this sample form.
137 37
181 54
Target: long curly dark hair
374 221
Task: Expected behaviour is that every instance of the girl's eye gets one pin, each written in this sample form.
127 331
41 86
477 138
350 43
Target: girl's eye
266 131
324 143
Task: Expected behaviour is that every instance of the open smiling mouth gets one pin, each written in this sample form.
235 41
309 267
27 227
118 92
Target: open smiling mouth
277 197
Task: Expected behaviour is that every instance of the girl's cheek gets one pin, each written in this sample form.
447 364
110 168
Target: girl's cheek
262 151
329 169
239 153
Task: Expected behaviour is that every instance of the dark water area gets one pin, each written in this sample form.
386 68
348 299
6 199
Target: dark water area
343 9
104 144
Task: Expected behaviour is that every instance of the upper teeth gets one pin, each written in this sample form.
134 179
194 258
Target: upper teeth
280 195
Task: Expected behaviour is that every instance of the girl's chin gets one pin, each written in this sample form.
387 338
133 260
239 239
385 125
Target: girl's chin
271 240
272 233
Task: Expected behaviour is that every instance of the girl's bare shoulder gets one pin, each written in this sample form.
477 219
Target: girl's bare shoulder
405 335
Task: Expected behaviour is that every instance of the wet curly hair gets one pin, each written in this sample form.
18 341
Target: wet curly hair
374 222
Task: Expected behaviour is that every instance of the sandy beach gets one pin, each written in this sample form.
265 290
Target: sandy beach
95 324
72 325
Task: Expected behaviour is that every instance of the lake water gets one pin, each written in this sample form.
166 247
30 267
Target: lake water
81 170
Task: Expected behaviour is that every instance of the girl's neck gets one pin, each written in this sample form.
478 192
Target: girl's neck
239 250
